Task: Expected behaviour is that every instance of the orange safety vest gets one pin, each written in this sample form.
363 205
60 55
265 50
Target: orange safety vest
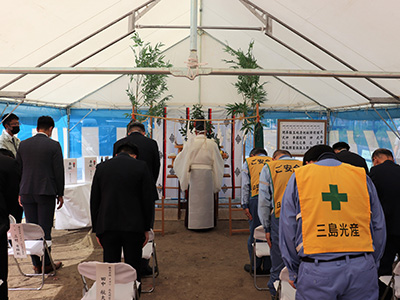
255 164
335 209
280 171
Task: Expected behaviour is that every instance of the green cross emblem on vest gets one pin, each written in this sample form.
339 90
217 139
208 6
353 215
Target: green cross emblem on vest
334 197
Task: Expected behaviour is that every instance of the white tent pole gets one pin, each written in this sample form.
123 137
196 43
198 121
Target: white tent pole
136 13
22 101
193 27
266 17
200 27
199 53
277 78
391 120
68 131
81 119
202 71
80 61
394 131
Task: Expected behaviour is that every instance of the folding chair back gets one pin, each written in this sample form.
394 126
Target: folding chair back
125 280
396 272
35 244
392 282
283 288
12 219
149 252
260 249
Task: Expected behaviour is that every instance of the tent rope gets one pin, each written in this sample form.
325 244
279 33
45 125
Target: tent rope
193 67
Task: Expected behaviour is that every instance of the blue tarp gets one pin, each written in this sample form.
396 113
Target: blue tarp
108 120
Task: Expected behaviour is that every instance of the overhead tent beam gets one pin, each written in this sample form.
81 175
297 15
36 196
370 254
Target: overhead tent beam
137 13
91 93
279 79
138 26
16 95
202 71
266 18
133 15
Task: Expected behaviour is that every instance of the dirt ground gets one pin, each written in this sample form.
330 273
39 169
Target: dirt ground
193 265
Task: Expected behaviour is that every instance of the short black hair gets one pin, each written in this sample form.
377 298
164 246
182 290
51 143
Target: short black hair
315 152
128 147
259 150
281 151
45 122
134 124
382 151
7 118
341 145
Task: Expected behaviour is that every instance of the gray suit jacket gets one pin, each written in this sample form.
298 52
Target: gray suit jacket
42 165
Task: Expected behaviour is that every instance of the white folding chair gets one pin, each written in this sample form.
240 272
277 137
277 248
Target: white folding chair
35 244
284 290
260 249
149 252
126 286
392 282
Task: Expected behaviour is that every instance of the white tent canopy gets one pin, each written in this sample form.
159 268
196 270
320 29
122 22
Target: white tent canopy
360 33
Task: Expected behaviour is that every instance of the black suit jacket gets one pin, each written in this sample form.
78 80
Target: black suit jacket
148 151
9 187
121 196
42 166
386 178
352 159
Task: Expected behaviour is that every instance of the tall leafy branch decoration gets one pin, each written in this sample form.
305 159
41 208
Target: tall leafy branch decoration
148 91
249 86
198 113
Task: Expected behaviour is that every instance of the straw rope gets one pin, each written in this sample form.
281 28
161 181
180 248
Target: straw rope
208 120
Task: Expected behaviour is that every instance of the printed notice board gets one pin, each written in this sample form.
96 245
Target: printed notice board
297 136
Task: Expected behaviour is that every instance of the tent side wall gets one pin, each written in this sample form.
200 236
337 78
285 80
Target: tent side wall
93 132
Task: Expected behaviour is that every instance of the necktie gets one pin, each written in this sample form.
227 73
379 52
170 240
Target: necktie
15 145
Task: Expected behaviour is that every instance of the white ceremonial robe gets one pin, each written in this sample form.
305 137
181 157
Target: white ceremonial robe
201 168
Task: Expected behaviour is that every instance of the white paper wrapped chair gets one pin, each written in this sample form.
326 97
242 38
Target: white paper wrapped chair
284 290
35 244
149 252
260 249
392 282
125 284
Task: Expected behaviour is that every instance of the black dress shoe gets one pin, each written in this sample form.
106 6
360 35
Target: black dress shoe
247 268
146 271
49 268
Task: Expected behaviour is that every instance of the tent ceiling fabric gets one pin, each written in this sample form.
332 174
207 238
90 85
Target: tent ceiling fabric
362 33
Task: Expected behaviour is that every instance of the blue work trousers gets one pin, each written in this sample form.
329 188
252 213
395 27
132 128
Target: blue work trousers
276 257
347 279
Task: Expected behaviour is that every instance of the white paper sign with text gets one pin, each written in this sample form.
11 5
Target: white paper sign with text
105 279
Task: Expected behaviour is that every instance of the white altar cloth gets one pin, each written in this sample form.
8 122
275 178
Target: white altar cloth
75 213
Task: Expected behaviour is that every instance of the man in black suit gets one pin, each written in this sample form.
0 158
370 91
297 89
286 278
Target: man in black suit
385 174
148 148
148 152
121 206
9 188
42 182
344 155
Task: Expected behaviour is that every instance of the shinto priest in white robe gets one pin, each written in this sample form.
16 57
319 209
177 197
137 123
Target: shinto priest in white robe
201 168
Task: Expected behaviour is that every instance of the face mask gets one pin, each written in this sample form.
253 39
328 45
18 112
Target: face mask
15 129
